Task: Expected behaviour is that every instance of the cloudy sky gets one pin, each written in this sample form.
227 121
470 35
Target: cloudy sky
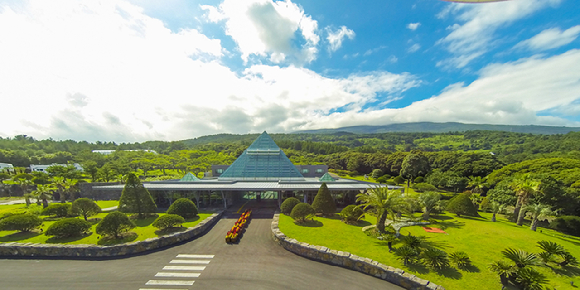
138 70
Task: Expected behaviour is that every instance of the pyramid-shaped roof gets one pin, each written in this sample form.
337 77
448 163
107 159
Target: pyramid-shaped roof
326 178
188 177
262 160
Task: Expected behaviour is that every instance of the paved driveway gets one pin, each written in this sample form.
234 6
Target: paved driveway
205 263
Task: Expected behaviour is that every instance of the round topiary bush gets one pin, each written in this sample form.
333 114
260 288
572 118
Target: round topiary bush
419 179
85 207
114 224
351 213
20 222
168 221
183 207
57 209
69 227
301 212
423 187
462 205
288 205
399 180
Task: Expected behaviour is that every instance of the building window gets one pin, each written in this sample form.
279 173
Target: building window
304 171
220 171
319 170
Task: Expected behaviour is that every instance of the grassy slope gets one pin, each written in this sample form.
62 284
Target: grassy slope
480 238
143 229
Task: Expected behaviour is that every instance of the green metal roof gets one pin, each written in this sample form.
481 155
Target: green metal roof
189 177
263 159
326 178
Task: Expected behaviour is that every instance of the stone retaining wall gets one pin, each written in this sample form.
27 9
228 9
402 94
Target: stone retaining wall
350 261
60 250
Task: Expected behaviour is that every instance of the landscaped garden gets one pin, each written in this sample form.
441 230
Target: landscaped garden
83 222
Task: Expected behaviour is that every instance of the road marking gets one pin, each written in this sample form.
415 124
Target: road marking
242 207
184 268
189 262
180 275
195 256
170 282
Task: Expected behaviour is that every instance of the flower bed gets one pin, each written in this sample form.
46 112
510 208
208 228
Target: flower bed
235 234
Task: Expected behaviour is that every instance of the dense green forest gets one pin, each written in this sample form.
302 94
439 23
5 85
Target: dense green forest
455 159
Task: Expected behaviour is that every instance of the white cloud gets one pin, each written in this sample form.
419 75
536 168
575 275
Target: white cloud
413 26
266 27
106 71
414 48
550 38
335 38
392 59
509 93
476 35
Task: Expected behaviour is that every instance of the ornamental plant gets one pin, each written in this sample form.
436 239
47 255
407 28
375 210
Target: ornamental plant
301 212
351 214
288 205
20 222
69 227
85 207
168 221
57 209
323 202
183 207
234 234
114 224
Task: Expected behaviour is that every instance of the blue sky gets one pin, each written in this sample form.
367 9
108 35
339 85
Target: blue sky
142 70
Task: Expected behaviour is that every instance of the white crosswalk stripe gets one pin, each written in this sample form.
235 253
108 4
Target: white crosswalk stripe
178 275
185 268
170 282
189 262
195 256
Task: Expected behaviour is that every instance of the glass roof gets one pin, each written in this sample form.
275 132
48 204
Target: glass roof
188 177
326 178
263 159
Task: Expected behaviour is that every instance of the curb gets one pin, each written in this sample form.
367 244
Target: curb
350 261
96 251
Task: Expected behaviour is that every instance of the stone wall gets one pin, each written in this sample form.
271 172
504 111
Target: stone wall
350 261
60 250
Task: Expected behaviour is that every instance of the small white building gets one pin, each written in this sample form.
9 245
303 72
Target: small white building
6 166
109 152
42 168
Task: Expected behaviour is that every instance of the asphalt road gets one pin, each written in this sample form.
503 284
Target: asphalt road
256 262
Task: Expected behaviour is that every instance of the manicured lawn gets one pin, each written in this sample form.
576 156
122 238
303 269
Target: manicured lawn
107 203
142 231
480 238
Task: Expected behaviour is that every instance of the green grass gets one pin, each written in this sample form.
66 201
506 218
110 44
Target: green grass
107 203
482 239
142 231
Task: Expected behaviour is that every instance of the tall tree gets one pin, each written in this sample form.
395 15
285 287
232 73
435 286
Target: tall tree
43 192
383 202
525 188
477 184
538 212
428 201
91 168
323 202
415 164
24 185
135 198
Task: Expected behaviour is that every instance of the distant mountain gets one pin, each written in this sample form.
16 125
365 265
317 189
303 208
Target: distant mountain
445 127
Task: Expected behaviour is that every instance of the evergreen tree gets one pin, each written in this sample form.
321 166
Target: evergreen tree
414 165
462 205
323 202
135 198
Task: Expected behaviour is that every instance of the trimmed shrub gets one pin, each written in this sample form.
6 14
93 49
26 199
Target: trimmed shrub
168 221
399 180
20 222
114 224
390 182
135 198
85 207
381 179
419 179
301 212
57 209
567 224
422 187
183 207
288 205
376 173
351 213
462 205
69 227
323 202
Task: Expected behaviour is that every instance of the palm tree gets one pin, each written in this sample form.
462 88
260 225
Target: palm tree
539 212
406 254
384 202
24 185
530 279
58 181
503 269
496 208
43 192
428 201
477 184
70 187
525 187
520 257
550 249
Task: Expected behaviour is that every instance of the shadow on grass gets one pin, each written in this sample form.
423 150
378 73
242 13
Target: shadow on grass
18 236
193 219
55 240
144 222
123 238
427 242
481 219
470 268
564 237
449 225
569 271
441 217
94 221
450 273
170 231
417 268
310 224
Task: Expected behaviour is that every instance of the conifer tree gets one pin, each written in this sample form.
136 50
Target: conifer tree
323 202
135 198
